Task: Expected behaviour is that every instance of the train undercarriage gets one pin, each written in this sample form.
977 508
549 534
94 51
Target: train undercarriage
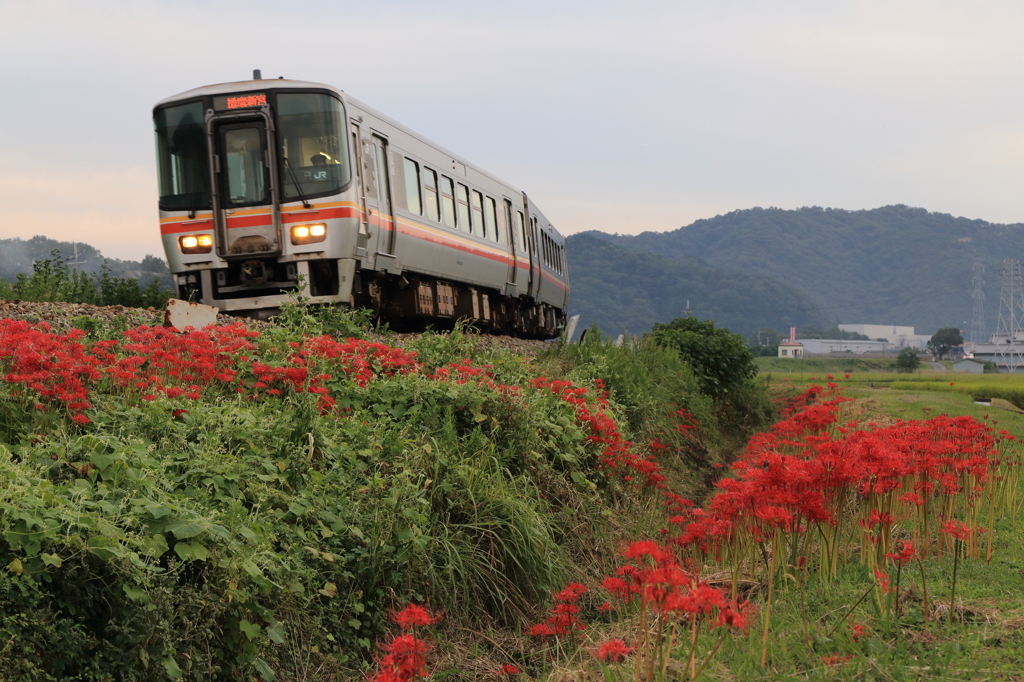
407 302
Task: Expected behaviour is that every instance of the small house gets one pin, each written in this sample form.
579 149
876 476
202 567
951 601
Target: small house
791 348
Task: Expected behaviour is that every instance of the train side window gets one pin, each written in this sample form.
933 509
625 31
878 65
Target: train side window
463 206
448 201
412 187
430 194
521 229
531 236
491 221
478 215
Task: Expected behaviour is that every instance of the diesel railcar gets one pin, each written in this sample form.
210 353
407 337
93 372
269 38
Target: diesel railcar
273 187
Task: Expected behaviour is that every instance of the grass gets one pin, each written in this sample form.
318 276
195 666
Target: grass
833 365
984 641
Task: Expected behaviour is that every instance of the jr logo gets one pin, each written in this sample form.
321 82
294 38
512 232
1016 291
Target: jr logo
320 175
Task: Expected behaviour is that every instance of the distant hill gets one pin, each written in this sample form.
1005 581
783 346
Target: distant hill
17 256
890 265
625 290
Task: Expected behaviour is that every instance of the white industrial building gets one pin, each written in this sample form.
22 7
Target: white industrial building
824 346
895 335
1006 352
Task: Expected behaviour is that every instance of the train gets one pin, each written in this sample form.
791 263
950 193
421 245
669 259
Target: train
276 188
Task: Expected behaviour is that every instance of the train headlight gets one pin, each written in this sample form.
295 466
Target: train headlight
195 243
308 234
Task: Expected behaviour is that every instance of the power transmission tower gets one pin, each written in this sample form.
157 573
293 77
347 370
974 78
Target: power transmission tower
74 262
978 317
1011 315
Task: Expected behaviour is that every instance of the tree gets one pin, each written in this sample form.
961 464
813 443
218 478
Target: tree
945 339
907 361
719 358
765 342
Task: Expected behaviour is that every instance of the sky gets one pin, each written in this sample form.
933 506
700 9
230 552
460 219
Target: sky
617 116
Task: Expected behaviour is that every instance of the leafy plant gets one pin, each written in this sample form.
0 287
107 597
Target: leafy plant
907 361
719 358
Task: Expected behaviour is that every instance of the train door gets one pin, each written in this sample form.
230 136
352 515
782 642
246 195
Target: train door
514 248
379 219
241 166
382 179
536 269
363 245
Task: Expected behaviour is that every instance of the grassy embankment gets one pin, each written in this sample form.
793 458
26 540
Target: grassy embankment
224 505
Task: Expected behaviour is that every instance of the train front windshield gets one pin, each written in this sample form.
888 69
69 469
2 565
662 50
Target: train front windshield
182 161
312 153
313 147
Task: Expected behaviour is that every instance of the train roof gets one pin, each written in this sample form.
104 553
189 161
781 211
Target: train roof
251 84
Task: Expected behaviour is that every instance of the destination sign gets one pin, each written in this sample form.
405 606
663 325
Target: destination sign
246 101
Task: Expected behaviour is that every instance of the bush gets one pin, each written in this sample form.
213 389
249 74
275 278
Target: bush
720 359
907 361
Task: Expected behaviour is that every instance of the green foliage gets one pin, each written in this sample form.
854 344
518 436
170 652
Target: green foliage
765 342
18 255
646 381
719 358
240 537
631 290
944 340
53 281
830 365
298 316
907 361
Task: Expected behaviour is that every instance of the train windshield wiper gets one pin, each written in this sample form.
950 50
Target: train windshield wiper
298 186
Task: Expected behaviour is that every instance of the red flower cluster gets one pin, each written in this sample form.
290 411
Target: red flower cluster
617 455
563 619
405 656
663 586
613 651
806 471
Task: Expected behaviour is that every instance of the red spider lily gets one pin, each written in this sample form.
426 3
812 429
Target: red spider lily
571 593
563 619
508 669
883 581
836 659
414 615
405 659
904 556
958 530
613 651
405 656
857 630
734 617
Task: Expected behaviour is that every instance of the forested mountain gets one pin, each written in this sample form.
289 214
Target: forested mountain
624 290
890 265
17 256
